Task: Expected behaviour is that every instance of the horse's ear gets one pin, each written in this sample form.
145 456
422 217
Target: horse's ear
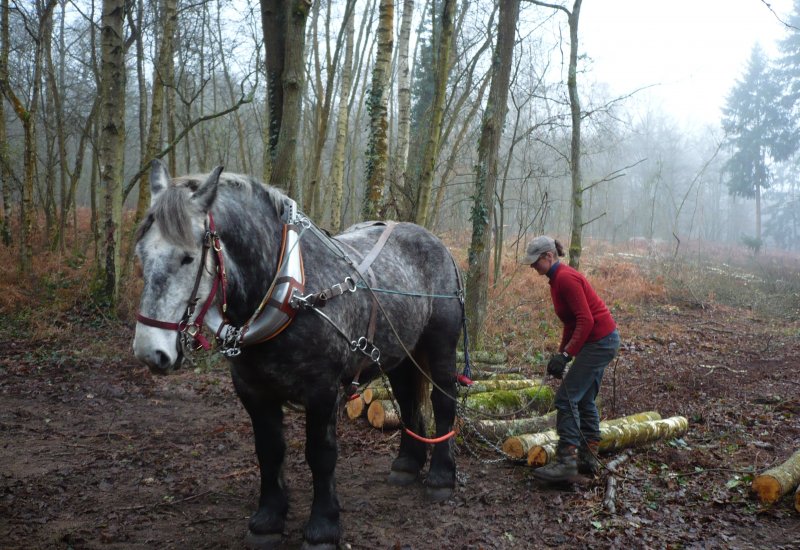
207 192
159 179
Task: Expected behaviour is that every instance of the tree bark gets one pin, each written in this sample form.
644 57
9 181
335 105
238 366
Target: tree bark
502 429
377 99
477 283
619 437
518 446
772 484
609 500
431 152
342 122
403 96
112 141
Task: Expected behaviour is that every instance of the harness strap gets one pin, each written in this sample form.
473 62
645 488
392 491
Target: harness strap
376 249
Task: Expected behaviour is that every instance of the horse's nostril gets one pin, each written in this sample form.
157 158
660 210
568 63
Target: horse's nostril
163 360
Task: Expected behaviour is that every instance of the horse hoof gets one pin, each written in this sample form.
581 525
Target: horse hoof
402 479
438 494
319 546
255 541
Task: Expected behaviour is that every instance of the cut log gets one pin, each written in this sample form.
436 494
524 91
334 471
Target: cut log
517 447
797 499
507 402
488 357
355 408
382 414
501 429
483 386
376 393
776 482
619 437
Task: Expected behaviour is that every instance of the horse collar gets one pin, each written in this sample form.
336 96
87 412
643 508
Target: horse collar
274 313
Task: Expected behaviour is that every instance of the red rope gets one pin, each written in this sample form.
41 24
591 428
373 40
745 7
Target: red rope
433 441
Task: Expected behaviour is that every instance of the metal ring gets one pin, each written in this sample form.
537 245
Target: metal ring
353 345
375 355
362 343
351 284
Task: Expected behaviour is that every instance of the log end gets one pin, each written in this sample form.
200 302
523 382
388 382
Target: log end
512 446
767 489
537 456
355 408
376 414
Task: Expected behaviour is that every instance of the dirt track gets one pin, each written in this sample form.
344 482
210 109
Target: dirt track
97 453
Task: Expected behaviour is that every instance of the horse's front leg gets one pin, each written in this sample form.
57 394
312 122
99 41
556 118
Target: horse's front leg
323 529
265 527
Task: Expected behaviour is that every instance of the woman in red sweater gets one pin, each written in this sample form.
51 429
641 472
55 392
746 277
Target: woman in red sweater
590 337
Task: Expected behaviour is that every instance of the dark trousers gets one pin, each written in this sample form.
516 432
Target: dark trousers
577 419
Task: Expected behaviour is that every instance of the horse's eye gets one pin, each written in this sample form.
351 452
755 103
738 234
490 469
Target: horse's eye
187 260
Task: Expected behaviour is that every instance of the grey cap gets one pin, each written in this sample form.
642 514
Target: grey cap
537 247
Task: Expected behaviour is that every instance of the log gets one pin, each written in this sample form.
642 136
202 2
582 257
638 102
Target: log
517 446
619 437
483 386
356 408
501 429
481 356
506 402
377 392
797 499
382 414
772 484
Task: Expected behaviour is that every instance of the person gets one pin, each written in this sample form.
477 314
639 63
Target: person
590 340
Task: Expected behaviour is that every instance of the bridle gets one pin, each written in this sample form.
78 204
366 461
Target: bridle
191 330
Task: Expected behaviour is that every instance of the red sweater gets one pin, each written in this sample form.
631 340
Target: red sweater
585 316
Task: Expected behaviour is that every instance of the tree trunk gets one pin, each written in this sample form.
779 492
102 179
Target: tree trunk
383 415
506 402
5 165
377 99
483 386
477 283
619 437
112 141
519 445
484 356
342 122
283 24
772 484
431 153
575 244
403 98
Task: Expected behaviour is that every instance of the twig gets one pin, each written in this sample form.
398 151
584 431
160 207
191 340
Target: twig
611 484
165 503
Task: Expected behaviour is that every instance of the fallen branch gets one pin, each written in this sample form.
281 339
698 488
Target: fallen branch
609 501
501 429
776 482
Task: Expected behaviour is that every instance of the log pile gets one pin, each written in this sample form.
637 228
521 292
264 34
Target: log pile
772 484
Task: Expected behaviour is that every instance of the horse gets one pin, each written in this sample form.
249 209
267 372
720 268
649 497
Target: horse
304 318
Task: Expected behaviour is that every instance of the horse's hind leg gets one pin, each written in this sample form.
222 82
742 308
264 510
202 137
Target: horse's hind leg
442 475
323 529
405 380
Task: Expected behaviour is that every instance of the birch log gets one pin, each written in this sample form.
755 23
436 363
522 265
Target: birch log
488 357
619 437
517 447
483 386
377 392
382 414
501 429
776 482
356 408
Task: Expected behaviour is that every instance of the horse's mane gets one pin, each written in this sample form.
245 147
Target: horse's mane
173 211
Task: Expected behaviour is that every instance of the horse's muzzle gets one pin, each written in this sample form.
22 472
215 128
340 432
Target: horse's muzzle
160 361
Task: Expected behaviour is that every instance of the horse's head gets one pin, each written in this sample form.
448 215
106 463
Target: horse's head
176 272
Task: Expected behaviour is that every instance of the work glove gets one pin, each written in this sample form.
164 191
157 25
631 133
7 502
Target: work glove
557 364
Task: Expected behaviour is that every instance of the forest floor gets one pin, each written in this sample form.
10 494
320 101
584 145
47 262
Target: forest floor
98 453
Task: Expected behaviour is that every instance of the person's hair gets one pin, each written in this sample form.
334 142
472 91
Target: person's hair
559 248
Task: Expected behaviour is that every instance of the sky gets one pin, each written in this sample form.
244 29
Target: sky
692 50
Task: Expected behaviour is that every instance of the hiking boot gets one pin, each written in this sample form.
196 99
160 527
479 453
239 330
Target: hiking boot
587 458
565 467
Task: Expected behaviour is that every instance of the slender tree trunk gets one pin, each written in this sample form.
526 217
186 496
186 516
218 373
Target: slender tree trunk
486 172
377 98
576 242
431 154
337 162
112 142
403 106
